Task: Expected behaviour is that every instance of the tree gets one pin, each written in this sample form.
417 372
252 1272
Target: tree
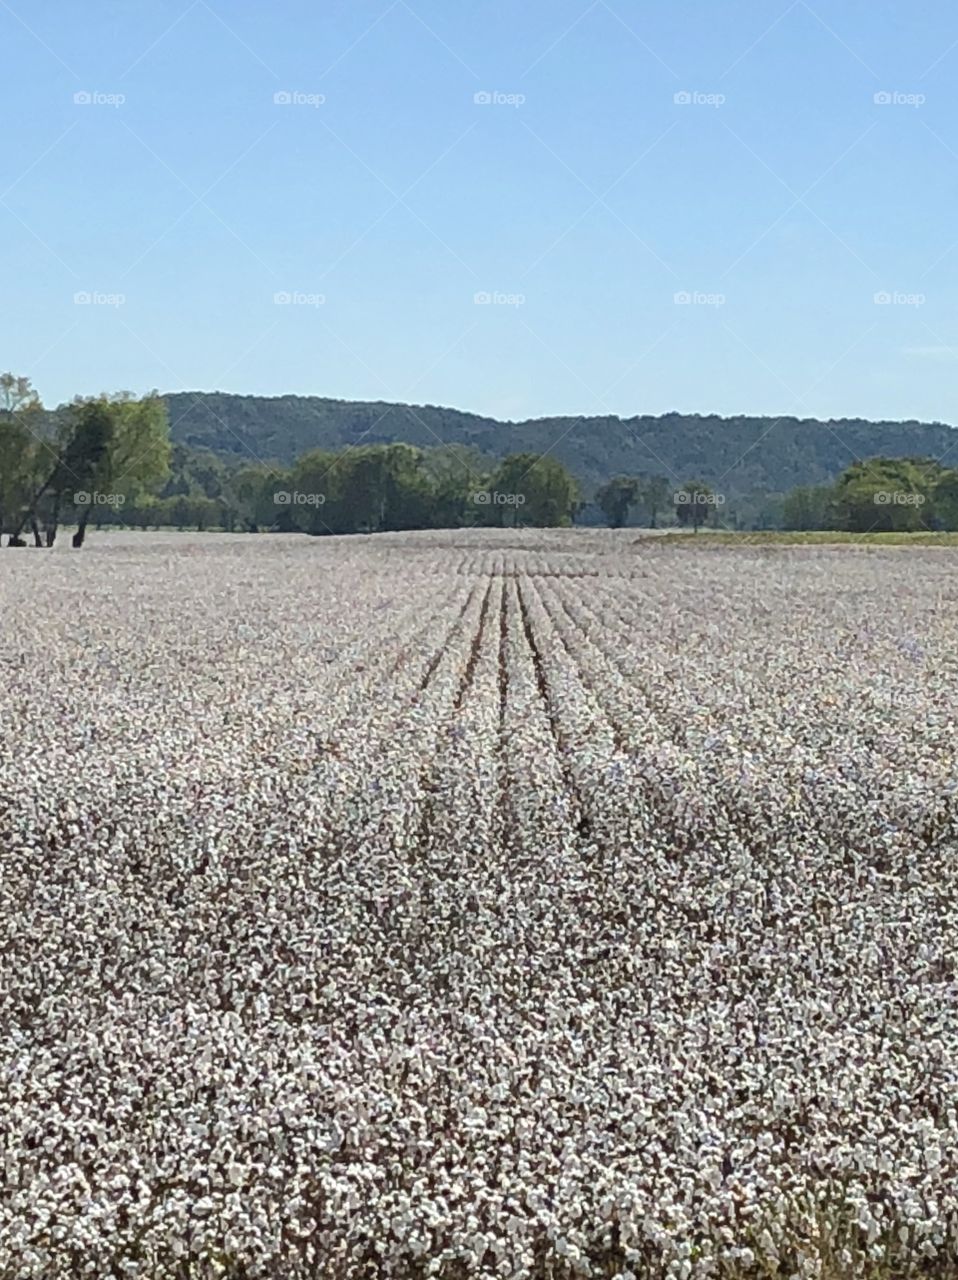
944 499
207 512
886 495
529 488
615 498
84 458
21 446
107 448
454 475
17 462
81 447
361 475
196 471
693 502
137 456
407 498
16 394
254 494
809 507
654 492
317 483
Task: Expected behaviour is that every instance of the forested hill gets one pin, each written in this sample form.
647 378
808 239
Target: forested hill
743 455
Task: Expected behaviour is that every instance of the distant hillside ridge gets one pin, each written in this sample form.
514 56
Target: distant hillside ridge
740 455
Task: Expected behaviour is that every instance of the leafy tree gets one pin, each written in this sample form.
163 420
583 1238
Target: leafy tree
407 496
137 454
761 511
944 499
16 394
454 475
112 446
693 503
362 489
886 495
187 511
83 442
530 488
197 471
22 445
146 512
809 507
17 458
318 475
84 459
252 494
616 497
654 492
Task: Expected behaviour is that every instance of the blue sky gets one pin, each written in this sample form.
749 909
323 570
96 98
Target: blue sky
620 155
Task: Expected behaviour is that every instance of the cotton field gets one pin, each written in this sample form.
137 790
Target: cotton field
501 904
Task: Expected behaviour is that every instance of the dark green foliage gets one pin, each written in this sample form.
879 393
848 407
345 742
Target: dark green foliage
944 500
655 493
87 458
86 447
640 499
528 489
694 504
330 466
879 495
809 507
739 455
616 498
24 454
367 489
886 495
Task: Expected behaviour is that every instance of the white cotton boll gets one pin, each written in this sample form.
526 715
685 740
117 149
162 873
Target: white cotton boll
515 893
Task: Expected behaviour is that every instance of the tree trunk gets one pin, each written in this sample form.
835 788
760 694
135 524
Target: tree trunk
35 528
54 519
30 515
81 528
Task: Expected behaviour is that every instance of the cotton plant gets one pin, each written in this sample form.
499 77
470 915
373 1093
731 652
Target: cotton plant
501 903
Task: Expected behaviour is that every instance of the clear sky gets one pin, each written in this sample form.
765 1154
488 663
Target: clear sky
579 194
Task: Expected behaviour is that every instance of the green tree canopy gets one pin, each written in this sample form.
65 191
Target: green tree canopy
22 448
654 494
886 495
809 507
530 488
616 497
694 502
102 452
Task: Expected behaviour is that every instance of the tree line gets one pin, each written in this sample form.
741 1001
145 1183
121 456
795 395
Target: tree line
382 488
755 456
647 498
94 453
878 495
108 461
875 495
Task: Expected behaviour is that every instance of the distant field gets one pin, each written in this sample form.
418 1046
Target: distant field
822 537
504 903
